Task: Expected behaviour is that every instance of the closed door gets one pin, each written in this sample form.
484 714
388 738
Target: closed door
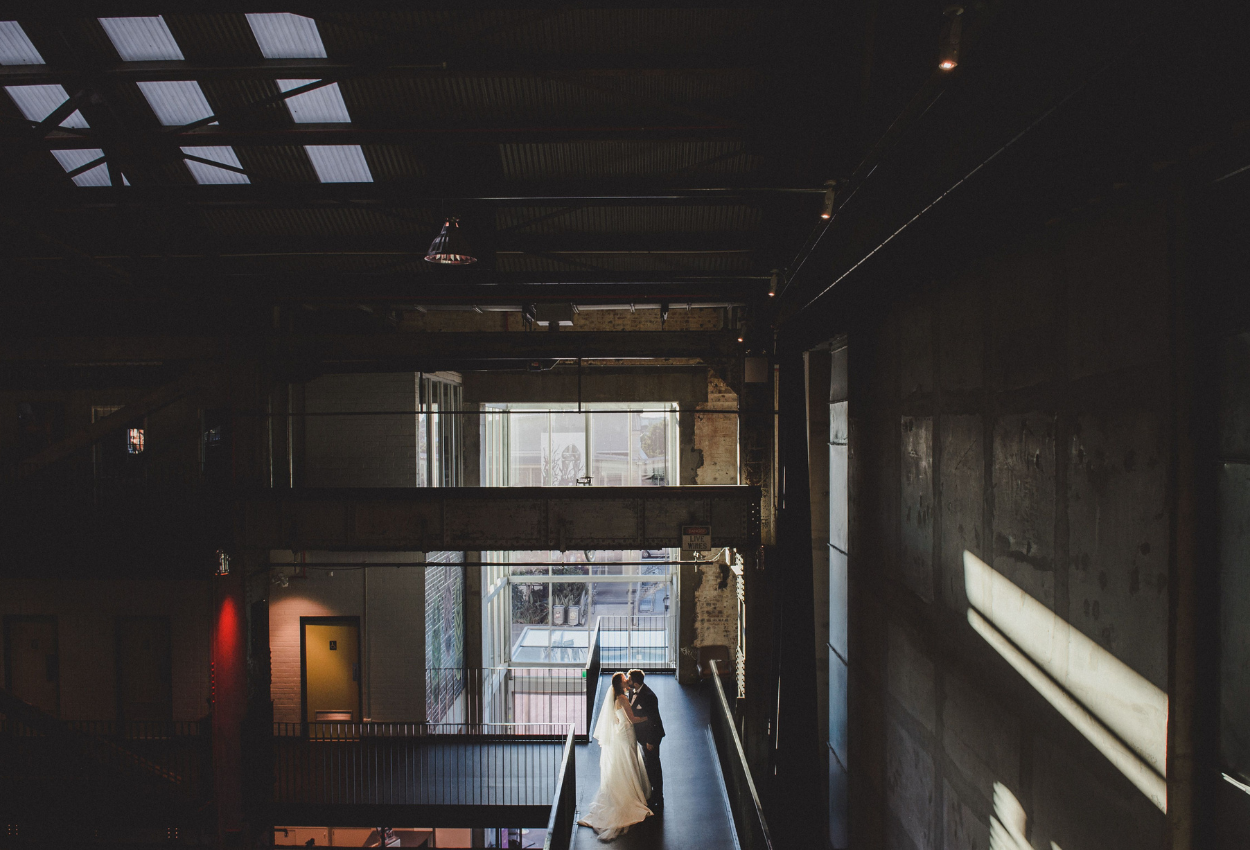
32 663
332 670
144 689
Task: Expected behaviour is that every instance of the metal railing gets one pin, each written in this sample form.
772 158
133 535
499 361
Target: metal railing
419 764
744 800
564 803
509 695
101 757
641 641
594 666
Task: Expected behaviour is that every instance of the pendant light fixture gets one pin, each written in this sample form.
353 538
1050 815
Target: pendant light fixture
952 29
450 247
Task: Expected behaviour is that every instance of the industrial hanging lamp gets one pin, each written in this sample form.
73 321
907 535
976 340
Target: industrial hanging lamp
952 29
450 247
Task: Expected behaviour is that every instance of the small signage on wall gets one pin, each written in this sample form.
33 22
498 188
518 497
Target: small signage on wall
696 538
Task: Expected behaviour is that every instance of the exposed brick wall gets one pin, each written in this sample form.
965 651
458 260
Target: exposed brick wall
642 319
86 614
716 447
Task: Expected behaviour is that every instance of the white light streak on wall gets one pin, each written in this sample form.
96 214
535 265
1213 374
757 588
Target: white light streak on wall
1131 706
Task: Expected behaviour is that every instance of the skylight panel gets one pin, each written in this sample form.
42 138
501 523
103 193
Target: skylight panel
319 106
38 102
16 47
98 176
207 174
176 102
282 35
339 163
141 39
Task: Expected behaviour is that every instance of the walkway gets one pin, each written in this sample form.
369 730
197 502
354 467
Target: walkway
696 814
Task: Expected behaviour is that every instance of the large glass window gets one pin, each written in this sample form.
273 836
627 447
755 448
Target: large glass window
557 600
601 445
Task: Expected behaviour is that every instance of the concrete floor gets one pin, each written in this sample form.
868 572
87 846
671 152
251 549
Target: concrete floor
696 814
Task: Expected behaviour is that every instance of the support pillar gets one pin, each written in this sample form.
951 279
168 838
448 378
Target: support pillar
229 702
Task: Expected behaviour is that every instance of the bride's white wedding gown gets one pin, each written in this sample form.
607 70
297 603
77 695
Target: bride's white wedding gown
623 786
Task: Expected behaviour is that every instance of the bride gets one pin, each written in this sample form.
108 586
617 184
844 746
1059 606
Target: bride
623 787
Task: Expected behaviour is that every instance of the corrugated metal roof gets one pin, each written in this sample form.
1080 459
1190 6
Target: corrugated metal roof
98 176
38 102
16 47
282 35
339 163
323 221
734 218
529 31
277 164
176 102
206 174
231 96
142 39
736 263
569 160
319 106
214 37
460 98
394 162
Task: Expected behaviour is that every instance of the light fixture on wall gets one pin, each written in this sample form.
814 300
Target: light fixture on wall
952 29
450 247
223 563
826 207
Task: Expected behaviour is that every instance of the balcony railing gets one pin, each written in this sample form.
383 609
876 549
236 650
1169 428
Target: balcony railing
744 801
149 769
453 774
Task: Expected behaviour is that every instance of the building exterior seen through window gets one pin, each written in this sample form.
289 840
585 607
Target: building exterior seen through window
628 444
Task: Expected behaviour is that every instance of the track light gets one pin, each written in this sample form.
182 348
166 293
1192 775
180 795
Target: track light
772 283
449 247
826 209
948 53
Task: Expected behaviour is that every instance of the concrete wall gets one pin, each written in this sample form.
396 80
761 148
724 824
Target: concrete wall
87 612
1018 410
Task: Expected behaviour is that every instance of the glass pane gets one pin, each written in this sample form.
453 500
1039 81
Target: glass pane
610 449
529 447
651 449
566 458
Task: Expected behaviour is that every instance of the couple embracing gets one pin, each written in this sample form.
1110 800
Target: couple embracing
631 780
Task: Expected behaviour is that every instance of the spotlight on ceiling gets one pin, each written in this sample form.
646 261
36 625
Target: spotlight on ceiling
450 248
948 53
772 283
826 208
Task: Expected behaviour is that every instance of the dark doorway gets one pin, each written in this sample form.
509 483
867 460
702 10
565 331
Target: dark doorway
32 666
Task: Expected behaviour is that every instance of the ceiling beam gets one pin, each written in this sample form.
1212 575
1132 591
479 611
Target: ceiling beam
640 191
624 128
109 248
391 347
476 64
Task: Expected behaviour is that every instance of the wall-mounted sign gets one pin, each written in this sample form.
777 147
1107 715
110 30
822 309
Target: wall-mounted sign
696 538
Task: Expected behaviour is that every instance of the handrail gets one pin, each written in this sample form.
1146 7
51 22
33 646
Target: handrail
738 772
591 673
560 823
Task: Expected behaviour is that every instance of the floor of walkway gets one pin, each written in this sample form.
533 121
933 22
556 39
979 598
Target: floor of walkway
696 814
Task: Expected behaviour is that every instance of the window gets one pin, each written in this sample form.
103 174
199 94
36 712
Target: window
556 445
134 441
444 634
556 600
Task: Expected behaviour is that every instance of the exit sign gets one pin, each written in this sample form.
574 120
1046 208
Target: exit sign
696 538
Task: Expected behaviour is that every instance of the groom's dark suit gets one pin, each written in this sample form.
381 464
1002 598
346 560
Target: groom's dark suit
650 732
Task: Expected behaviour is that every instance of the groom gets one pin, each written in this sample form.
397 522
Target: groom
649 733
